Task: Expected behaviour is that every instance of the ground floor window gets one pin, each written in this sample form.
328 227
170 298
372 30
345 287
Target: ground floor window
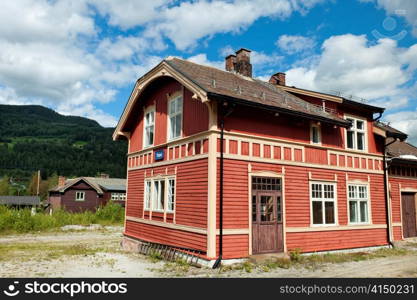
159 194
358 203
79 196
118 196
323 208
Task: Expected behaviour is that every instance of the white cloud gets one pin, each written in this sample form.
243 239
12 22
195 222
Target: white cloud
406 121
292 44
55 53
190 21
383 73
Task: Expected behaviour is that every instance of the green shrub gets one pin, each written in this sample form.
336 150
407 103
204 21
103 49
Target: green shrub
295 255
21 220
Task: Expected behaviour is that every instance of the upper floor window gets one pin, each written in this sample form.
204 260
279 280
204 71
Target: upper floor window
149 127
315 134
175 117
356 135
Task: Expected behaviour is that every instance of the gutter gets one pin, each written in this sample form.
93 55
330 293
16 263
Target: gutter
223 115
387 195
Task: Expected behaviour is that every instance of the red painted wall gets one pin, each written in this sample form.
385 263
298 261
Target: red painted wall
195 114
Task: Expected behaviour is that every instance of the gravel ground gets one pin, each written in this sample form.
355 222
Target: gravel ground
33 255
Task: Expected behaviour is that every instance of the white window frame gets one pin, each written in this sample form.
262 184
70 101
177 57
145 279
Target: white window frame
146 143
118 196
312 126
170 197
322 199
355 130
174 97
77 196
150 197
356 197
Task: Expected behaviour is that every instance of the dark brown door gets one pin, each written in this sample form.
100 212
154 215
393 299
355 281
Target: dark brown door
267 231
409 215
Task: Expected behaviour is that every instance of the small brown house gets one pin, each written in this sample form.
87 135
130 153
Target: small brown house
86 193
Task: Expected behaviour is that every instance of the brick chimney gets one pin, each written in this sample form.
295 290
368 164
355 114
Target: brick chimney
230 62
239 62
61 180
243 65
278 79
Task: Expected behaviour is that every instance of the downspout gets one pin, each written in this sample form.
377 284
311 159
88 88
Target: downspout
222 117
387 195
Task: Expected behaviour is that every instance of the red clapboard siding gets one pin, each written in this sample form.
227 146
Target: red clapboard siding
315 155
395 183
397 233
196 115
234 246
332 240
191 197
173 237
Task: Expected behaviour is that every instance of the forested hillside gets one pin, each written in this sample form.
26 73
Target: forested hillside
34 138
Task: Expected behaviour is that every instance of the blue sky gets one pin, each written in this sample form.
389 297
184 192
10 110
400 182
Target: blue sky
82 57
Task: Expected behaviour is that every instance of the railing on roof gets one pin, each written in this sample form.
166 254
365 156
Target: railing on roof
321 108
347 96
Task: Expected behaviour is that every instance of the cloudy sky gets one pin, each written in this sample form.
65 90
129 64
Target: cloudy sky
82 57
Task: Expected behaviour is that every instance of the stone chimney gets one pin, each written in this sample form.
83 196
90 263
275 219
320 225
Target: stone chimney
239 62
61 180
230 62
278 79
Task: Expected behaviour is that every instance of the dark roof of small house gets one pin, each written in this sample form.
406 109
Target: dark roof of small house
19 200
390 131
98 183
402 150
250 91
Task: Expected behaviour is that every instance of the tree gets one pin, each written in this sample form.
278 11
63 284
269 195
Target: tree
4 186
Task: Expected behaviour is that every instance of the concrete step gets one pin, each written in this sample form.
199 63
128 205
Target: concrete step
262 258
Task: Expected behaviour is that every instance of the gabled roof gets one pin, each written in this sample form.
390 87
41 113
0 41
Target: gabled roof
253 91
97 183
209 83
19 200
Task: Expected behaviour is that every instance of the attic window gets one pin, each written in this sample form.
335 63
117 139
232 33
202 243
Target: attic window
149 127
79 196
315 134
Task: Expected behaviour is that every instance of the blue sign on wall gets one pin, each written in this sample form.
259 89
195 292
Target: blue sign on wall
159 155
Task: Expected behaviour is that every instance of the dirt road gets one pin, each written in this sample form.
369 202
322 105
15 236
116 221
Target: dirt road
98 254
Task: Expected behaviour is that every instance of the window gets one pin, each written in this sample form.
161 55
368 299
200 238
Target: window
159 194
356 135
175 117
358 203
315 134
171 195
118 196
323 203
148 195
79 196
149 127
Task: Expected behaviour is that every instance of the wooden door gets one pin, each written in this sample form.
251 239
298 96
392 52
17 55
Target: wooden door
267 231
409 215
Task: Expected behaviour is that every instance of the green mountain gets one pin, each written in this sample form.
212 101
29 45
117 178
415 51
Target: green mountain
34 137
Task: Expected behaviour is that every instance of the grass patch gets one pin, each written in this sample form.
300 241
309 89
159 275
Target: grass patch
22 220
30 251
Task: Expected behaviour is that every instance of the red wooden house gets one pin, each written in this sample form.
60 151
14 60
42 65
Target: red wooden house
226 165
86 193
